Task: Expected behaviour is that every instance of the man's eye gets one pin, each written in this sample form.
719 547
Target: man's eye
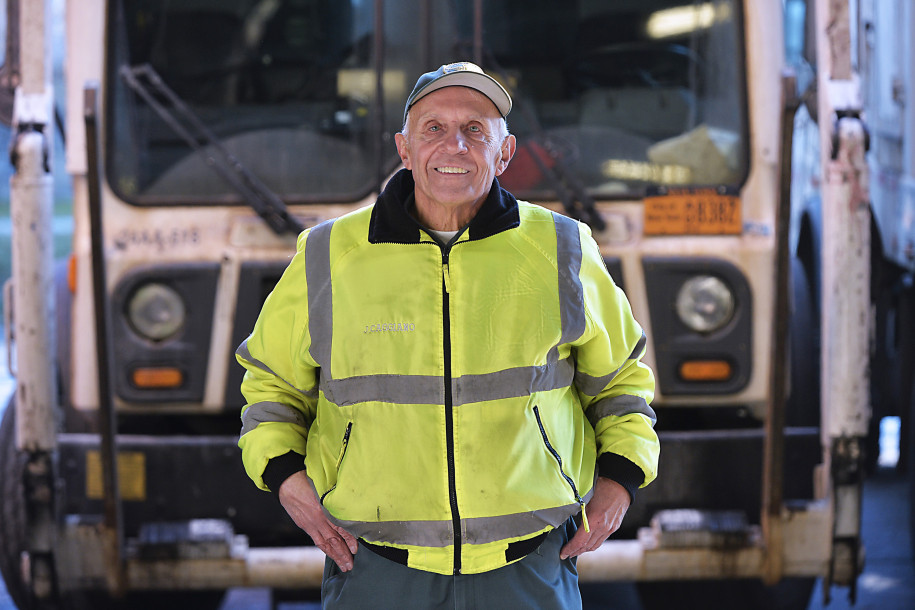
434 128
475 128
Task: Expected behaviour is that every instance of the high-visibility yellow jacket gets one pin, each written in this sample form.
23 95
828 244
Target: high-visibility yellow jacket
452 403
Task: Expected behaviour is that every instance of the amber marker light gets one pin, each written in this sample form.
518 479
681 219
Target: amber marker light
706 370
71 274
156 378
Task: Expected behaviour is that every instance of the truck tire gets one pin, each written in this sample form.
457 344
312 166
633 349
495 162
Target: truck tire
803 403
788 594
12 509
909 428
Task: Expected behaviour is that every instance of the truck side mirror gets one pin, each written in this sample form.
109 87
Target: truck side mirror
800 50
9 70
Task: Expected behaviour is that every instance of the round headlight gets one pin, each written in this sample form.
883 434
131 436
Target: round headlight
156 311
705 303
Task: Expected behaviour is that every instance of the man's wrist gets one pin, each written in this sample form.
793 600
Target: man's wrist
622 470
281 468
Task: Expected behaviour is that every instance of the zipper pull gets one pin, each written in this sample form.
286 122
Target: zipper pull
447 276
345 443
584 516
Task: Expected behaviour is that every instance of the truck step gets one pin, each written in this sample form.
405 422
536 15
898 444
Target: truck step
686 528
194 539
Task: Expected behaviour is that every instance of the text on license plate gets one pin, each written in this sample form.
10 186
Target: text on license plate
692 211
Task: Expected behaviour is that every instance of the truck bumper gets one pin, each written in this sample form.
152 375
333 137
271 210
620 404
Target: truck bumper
182 479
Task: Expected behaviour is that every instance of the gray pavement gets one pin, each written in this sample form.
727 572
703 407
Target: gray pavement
888 581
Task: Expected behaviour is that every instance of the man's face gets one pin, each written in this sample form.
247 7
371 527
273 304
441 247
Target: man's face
454 146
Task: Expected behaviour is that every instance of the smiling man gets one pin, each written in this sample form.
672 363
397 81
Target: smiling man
455 142
445 389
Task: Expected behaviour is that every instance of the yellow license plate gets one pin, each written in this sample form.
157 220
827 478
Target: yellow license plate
693 211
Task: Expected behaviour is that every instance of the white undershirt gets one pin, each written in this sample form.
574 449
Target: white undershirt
443 236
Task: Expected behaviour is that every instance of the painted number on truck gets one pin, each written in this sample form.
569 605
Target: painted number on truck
692 211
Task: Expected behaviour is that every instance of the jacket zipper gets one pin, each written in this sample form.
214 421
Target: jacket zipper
558 458
449 415
344 445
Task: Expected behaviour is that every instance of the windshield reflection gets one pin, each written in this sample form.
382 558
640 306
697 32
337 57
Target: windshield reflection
610 96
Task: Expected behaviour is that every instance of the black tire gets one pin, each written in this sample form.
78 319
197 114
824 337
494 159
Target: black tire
13 543
906 397
803 404
910 464
12 509
145 600
789 594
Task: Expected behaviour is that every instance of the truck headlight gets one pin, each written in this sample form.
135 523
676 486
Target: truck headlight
705 303
156 311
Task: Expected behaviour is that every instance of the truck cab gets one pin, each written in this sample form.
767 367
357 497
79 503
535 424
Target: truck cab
203 136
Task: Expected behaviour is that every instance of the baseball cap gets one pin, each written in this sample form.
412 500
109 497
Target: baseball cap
461 74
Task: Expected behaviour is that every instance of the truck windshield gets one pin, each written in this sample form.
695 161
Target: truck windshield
616 95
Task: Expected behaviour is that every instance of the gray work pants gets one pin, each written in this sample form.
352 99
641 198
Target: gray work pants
539 581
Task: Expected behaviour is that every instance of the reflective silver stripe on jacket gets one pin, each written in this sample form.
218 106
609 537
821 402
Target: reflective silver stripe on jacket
481 530
422 389
619 406
260 412
571 293
512 383
243 352
401 389
592 386
320 295
467 389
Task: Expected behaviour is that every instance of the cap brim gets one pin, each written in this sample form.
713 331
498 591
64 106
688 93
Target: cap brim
483 83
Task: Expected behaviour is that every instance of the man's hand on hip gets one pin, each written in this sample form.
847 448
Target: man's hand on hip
298 498
605 514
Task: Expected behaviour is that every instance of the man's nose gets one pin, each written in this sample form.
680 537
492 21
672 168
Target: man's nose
456 142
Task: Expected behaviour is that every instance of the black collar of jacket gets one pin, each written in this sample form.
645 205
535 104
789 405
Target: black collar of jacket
393 223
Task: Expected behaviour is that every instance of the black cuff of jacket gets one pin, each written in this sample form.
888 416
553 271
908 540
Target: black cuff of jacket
621 470
281 468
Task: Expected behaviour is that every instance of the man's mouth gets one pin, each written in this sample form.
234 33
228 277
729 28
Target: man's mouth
451 170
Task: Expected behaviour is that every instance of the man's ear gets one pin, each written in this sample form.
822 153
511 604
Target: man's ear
508 151
403 149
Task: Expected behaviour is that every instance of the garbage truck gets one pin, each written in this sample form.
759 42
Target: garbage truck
717 149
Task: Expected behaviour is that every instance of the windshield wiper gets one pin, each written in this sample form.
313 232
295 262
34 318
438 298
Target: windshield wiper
147 83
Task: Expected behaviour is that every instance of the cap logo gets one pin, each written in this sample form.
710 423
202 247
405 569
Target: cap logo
458 67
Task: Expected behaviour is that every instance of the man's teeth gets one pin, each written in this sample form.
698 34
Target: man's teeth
451 170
